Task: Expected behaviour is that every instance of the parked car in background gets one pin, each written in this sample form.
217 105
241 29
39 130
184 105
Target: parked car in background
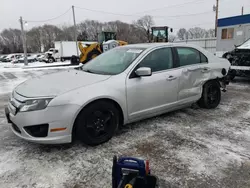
123 85
2 58
30 59
240 60
11 57
37 56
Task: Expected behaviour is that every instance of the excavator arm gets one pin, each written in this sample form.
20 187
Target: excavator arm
89 51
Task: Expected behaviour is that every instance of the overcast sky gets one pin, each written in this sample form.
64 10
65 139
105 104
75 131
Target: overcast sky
165 12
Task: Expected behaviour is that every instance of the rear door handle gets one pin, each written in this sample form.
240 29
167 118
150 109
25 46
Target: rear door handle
193 69
206 69
170 78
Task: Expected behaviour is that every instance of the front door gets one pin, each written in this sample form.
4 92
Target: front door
194 72
148 96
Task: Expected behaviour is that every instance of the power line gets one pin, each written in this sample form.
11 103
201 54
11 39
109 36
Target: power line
104 12
170 6
132 15
186 14
50 18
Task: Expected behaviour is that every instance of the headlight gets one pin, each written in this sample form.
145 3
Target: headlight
36 104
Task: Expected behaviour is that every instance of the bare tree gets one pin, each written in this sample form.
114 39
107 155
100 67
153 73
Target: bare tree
210 33
171 38
144 24
50 34
182 34
12 39
196 33
92 28
67 33
34 39
82 36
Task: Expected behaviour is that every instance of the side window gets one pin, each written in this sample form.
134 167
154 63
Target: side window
158 60
188 56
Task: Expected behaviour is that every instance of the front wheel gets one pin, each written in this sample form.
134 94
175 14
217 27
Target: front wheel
97 123
50 60
211 95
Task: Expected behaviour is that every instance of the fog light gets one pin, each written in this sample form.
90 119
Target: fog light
37 130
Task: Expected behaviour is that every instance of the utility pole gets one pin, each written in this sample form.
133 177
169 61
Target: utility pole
242 10
24 42
216 9
75 33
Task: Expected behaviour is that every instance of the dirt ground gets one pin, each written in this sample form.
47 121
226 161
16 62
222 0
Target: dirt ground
192 148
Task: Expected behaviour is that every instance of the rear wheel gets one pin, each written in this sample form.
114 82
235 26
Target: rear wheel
211 95
97 123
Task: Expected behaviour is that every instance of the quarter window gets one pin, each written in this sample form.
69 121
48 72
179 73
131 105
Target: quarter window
203 58
158 60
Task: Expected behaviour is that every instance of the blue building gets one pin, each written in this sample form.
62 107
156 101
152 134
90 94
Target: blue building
232 31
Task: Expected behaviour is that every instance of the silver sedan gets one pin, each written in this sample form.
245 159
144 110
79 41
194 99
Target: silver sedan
123 85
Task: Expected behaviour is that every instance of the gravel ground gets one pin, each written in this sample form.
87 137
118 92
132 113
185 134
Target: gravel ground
192 147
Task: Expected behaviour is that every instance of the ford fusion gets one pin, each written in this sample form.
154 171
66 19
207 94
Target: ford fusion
123 85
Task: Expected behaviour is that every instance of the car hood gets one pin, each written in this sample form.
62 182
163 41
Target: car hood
245 45
57 83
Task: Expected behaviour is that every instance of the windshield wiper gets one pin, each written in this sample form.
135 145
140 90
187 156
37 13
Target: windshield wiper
89 71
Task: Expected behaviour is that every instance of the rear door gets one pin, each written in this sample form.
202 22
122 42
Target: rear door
148 96
194 65
247 33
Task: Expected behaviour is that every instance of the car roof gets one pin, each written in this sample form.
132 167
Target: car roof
151 46
147 45
161 44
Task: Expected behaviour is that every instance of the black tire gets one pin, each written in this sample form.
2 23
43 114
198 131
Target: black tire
74 60
51 60
211 95
62 59
232 74
97 123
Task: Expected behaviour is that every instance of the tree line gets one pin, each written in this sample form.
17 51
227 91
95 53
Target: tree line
42 38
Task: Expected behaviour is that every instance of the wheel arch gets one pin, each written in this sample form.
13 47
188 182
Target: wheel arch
117 105
217 80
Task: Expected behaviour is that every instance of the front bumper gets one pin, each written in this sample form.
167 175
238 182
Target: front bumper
55 117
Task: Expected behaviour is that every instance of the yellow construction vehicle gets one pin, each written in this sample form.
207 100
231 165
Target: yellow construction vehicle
106 41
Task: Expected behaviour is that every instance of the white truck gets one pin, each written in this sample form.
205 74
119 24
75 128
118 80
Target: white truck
63 51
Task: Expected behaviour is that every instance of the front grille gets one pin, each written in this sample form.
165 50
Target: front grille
16 128
37 130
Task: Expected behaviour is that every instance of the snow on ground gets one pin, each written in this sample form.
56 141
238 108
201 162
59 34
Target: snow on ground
34 64
192 147
8 67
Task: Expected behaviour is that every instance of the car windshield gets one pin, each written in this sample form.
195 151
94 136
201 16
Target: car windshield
114 61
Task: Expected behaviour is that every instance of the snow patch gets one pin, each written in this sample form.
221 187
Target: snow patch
9 86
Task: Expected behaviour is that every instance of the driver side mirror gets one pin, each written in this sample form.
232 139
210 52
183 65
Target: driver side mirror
143 71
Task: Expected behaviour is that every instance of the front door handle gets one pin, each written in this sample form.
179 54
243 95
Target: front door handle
170 78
